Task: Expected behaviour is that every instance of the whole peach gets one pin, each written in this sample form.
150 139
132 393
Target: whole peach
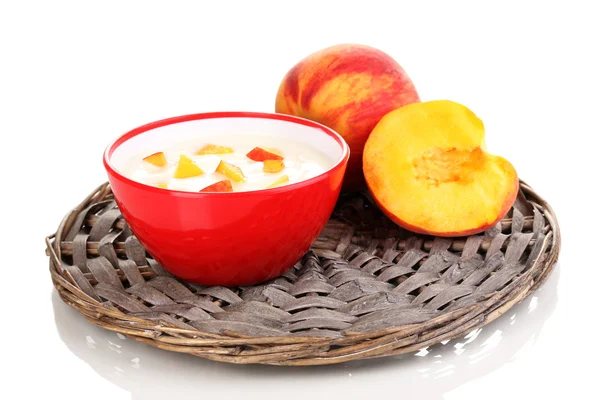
349 88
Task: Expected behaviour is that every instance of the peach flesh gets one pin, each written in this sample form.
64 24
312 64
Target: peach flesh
427 169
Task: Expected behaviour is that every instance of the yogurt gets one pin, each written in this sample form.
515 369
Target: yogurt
301 162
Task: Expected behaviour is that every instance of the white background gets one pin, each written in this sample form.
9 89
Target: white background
73 76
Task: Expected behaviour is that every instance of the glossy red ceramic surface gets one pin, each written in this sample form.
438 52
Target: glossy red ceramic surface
228 238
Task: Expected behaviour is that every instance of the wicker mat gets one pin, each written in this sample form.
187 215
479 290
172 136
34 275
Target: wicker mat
366 289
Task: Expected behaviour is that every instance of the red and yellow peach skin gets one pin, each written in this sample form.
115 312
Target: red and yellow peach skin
348 88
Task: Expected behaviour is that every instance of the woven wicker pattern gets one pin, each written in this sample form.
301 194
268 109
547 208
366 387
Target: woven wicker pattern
366 289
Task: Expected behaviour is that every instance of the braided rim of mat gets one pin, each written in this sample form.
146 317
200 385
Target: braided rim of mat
366 289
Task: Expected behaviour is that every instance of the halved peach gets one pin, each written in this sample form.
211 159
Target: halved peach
157 159
427 168
221 186
214 149
231 171
273 166
187 168
260 154
283 179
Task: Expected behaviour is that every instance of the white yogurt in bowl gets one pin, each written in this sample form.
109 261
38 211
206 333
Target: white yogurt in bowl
306 152
301 162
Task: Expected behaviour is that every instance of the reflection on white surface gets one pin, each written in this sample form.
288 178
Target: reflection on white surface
150 373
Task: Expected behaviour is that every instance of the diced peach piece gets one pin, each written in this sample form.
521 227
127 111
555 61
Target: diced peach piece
273 166
157 159
260 154
283 179
231 171
274 151
162 185
427 169
221 186
187 168
214 149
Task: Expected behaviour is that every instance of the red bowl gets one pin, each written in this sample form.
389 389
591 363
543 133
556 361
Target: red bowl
227 239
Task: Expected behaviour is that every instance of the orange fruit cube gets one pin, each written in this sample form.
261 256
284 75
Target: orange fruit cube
231 171
283 179
273 166
157 159
221 186
260 154
187 168
214 149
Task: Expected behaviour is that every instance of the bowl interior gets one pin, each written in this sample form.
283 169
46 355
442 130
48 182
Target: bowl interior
223 130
